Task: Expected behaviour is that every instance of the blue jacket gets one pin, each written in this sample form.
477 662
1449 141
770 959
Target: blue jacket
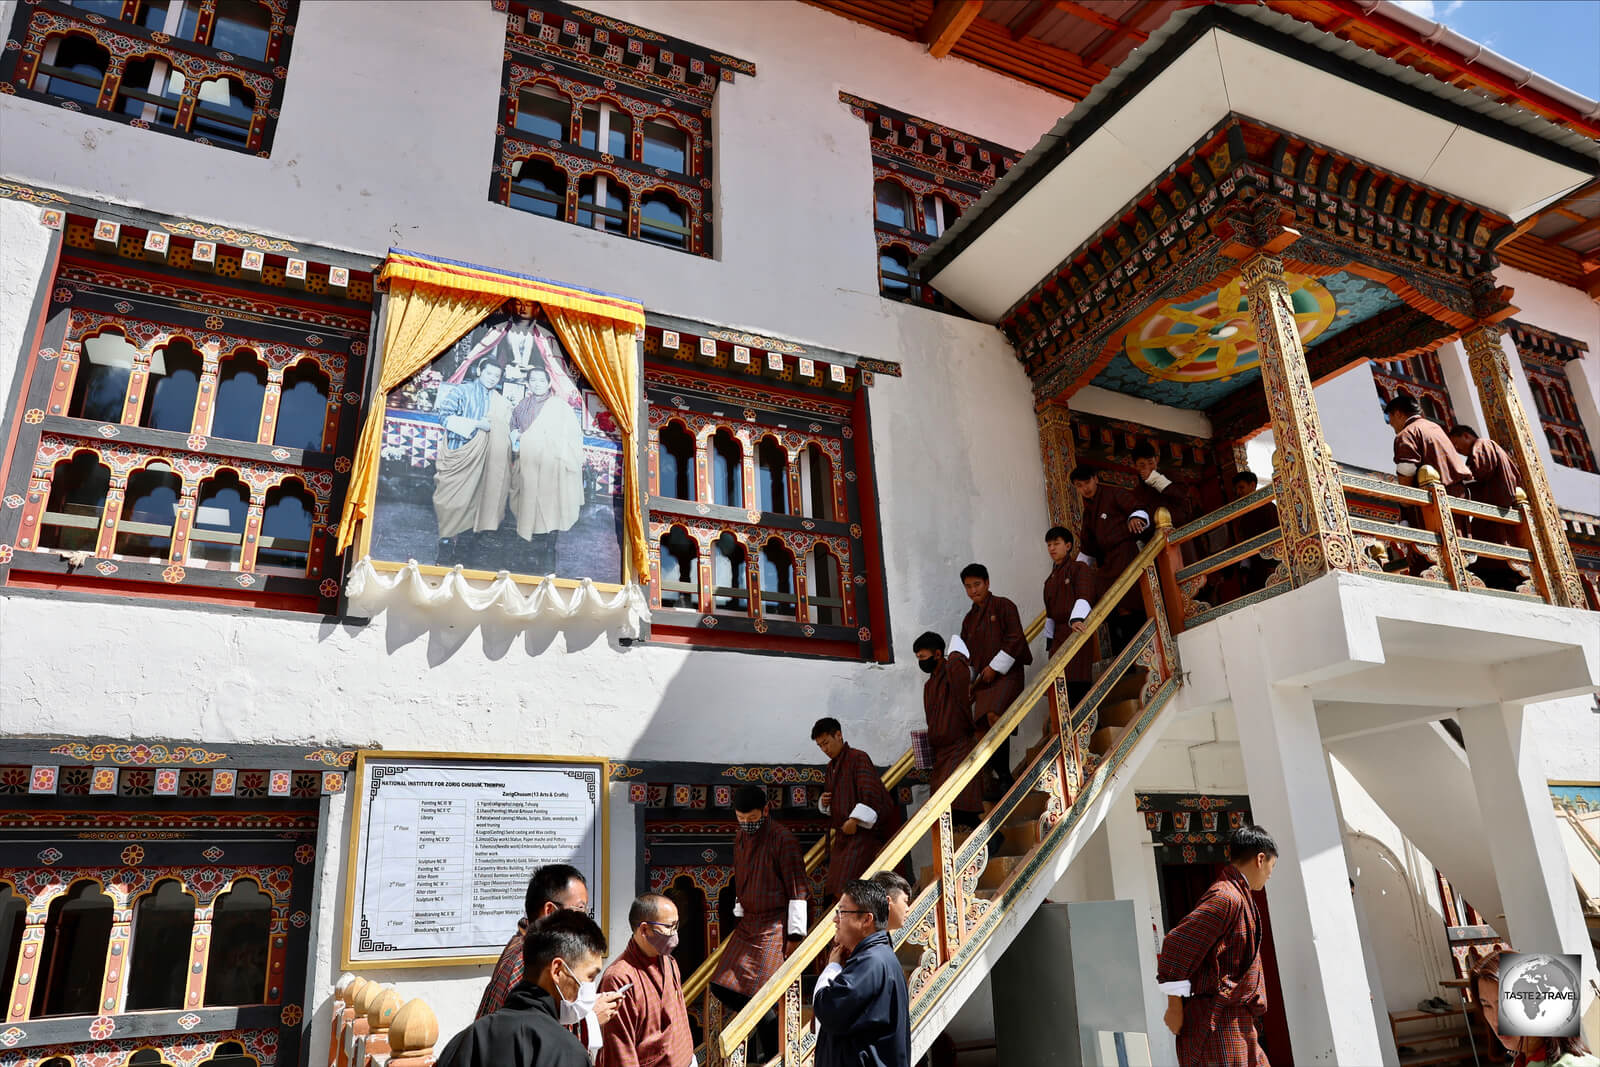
864 1012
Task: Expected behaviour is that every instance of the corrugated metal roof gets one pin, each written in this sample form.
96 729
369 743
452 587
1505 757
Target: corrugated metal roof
975 220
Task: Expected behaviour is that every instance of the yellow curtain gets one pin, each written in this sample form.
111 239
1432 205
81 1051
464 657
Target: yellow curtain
604 351
424 319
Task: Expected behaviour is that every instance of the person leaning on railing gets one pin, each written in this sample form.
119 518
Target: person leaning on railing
1069 594
1420 442
1495 481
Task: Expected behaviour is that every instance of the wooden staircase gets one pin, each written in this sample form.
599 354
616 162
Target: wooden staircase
1445 1043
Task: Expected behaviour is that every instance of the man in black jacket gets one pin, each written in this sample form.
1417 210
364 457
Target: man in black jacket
562 953
861 1004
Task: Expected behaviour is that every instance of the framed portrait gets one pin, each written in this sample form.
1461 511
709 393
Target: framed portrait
500 456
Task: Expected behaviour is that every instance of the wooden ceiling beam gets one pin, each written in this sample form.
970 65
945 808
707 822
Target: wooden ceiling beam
1125 27
948 22
1106 22
1031 20
1582 229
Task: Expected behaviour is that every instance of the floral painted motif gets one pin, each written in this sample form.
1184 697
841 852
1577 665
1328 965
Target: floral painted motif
133 855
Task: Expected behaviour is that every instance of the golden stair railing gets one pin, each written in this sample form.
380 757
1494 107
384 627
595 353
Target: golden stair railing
950 916
698 984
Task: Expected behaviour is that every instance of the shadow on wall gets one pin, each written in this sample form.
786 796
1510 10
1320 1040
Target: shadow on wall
404 625
1396 908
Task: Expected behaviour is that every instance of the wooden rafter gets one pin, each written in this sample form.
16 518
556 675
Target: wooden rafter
1127 27
1031 20
948 22
1582 229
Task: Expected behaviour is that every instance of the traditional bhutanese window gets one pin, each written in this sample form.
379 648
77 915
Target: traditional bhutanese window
607 125
209 70
760 497
184 432
1544 358
925 176
156 901
1422 377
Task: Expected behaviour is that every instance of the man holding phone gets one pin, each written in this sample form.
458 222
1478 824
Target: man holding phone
651 1027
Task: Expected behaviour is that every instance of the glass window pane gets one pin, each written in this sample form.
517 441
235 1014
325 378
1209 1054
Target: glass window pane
236 966
243 27
80 67
144 531
302 407
217 534
158 960
621 134
72 962
894 273
590 133
13 916
666 146
172 388
663 220
77 504
891 203
543 113
223 111
152 14
111 9
150 91
614 214
241 389
188 19
540 187
101 386
286 530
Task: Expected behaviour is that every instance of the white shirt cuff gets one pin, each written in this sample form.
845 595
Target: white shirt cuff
738 910
823 806
1002 662
829 973
1157 481
1140 514
1084 557
1049 629
1080 610
1175 989
864 815
1407 469
958 645
797 918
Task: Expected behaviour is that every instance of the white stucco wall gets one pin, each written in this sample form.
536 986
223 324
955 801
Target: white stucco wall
364 159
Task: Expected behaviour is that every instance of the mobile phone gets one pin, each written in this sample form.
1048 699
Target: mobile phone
621 988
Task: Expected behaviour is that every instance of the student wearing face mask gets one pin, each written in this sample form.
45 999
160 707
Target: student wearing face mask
651 1027
562 953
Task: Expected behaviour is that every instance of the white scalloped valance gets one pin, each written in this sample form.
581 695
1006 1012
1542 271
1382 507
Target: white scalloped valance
456 598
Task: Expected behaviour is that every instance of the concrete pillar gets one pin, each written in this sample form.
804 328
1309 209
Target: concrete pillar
1380 1003
1320 963
1131 862
1530 864
1458 382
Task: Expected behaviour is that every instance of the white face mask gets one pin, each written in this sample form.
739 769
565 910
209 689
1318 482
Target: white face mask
579 1008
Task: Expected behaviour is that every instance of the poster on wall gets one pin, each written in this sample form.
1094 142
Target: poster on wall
442 847
499 456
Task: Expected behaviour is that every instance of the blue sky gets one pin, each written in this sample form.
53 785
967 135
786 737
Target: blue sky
1559 39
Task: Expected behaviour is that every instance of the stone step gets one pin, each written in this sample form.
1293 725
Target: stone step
999 868
1020 839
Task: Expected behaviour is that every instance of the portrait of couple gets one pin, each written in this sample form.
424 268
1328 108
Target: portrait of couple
498 456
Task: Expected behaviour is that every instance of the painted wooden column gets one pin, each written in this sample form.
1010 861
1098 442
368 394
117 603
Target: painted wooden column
1059 452
702 466
115 492
183 523
20 995
194 986
252 533
795 505
704 568
205 405
1311 504
752 577
32 523
138 382
268 426
66 377
747 466
277 950
1508 427
802 562
114 987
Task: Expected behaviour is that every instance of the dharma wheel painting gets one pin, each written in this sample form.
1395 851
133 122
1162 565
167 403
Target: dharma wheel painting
499 456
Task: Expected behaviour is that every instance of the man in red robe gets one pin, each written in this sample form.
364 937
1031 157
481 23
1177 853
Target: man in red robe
651 1028
947 707
1069 594
769 880
1210 963
1249 575
1112 523
993 634
1495 480
1156 490
1418 443
860 811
